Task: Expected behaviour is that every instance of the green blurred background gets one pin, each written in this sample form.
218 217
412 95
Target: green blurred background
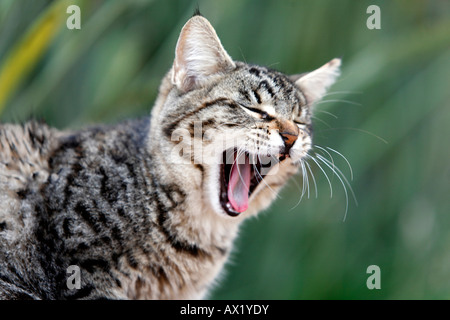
389 114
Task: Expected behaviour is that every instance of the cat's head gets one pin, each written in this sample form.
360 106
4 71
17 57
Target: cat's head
243 128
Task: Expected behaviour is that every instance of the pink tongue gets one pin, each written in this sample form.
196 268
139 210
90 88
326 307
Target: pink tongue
239 185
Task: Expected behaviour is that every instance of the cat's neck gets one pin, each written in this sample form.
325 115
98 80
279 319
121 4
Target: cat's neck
191 215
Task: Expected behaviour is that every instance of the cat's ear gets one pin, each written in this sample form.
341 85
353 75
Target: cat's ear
199 55
315 84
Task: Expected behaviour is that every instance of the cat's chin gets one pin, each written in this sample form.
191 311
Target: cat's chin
240 175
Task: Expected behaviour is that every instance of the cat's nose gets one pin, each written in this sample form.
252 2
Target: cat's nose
289 139
289 133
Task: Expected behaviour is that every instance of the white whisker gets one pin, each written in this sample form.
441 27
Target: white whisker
305 173
341 92
358 130
325 174
345 189
348 163
329 113
303 188
343 177
324 150
312 176
267 185
339 100
323 121
303 181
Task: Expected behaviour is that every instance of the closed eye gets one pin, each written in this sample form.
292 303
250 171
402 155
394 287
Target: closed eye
299 122
263 115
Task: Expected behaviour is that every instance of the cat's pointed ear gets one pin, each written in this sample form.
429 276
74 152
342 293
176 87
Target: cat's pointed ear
199 55
315 84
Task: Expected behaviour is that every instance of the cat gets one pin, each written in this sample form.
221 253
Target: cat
149 208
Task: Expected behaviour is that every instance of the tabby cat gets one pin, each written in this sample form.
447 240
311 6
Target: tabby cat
149 208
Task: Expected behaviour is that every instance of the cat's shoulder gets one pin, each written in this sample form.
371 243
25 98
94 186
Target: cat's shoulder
24 150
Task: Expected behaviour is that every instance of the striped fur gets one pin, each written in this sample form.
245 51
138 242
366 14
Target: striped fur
116 201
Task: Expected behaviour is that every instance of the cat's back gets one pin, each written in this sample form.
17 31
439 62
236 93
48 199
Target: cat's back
24 151
24 154
51 184
33 154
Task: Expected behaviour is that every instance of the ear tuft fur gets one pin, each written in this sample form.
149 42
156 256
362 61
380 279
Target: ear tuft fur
315 84
198 55
197 11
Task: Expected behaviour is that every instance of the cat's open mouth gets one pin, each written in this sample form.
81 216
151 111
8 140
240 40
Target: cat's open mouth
240 174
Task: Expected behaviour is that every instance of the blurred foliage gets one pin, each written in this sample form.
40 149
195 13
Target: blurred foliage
389 115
